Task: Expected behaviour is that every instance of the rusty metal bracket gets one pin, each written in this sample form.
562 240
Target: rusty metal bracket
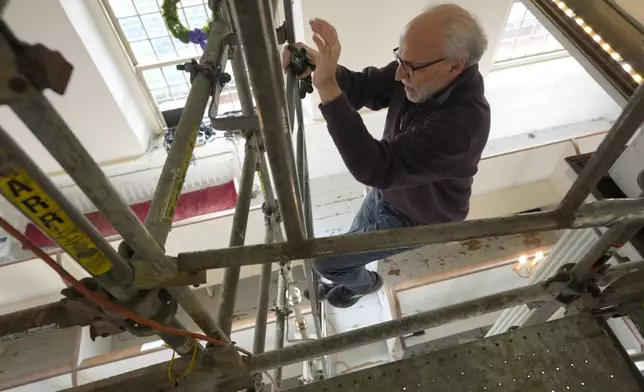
101 323
145 279
73 310
24 64
227 368
281 34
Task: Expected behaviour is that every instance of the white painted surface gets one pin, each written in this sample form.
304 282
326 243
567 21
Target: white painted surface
88 106
457 290
25 280
89 348
629 166
49 385
545 95
104 47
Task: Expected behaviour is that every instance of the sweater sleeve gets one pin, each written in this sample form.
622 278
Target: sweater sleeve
438 148
370 88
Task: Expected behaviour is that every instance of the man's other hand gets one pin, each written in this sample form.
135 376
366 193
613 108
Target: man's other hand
311 53
326 39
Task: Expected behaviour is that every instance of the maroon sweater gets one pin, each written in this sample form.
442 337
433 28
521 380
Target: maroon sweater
429 153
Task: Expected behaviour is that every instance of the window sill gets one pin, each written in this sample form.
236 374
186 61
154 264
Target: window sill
529 60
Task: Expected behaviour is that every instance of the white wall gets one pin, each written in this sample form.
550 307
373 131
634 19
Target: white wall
88 106
545 95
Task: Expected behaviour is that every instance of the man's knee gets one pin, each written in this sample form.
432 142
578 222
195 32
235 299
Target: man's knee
320 266
330 266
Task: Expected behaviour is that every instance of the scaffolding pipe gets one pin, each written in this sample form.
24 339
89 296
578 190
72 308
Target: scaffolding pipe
305 191
253 17
606 246
51 130
606 154
378 332
173 175
598 254
261 318
27 188
295 300
228 292
601 213
259 338
116 276
280 320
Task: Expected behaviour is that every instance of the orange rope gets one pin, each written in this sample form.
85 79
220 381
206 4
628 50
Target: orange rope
99 299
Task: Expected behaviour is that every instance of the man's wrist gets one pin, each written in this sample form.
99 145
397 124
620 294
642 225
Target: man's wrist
329 92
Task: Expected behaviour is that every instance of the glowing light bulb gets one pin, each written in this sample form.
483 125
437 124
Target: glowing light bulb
616 56
538 256
588 29
638 78
580 21
597 38
561 5
627 67
569 13
523 259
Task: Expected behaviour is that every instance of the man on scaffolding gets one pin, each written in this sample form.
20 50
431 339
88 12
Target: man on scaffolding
437 125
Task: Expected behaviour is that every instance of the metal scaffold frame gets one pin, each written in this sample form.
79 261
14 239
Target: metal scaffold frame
143 279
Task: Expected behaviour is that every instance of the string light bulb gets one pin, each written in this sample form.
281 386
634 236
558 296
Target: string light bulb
525 265
597 38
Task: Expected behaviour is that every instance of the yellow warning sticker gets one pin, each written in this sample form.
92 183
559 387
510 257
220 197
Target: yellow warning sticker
18 187
167 213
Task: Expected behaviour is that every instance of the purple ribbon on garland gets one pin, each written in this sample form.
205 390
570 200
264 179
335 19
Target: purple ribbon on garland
197 36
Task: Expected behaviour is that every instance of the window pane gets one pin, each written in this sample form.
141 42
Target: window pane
196 17
184 50
146 6
180 91
162 95
524 36
154 78
150 40
132 28
122 8
187 3
143 52
173 76
511 30
163 48
182 17
154 25
517 12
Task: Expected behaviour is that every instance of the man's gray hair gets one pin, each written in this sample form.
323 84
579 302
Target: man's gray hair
464 36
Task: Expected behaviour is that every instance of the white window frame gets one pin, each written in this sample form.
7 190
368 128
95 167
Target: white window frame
139 68
528 59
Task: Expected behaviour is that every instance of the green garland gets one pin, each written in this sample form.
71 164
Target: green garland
171 19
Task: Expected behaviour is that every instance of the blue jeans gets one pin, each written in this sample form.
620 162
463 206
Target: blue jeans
349 270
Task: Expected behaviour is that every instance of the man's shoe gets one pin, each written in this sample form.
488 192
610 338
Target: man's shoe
323 290
342 297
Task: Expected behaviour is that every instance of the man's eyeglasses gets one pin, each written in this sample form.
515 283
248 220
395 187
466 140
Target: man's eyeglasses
411 68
